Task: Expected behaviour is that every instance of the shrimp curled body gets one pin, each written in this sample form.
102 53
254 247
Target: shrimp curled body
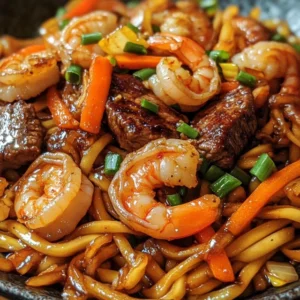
72 50
53 196
161 162
175 85
23 75
274 60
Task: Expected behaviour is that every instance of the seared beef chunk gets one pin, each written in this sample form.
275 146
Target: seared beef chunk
226 126
72 142
133 125
21 135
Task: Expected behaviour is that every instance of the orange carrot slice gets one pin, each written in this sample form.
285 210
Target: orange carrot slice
61 115
97 92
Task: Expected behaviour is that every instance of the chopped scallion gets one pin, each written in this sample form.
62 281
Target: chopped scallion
91 38
264 167
206 4
176 107
182 191
73 74
132 3
63 24
225 185
174 199
112 163
204 165
297 47
149 106
60 12
246 79
213 173
155 28
135 48
278 38
187 130
241 175
219 55
133 28
144 74
113 61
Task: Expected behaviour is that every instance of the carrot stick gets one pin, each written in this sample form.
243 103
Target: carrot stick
97 92
135 62
60 113
82 8
218 262
260 197
229 86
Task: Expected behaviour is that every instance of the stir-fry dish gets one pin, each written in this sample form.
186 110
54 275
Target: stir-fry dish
151 150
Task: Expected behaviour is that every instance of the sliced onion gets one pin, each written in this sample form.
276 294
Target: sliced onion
281 273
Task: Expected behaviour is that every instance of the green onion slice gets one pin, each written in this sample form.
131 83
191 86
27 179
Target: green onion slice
219 55
182 191
241 175
204 166
174 199
60 12
63 24
225 185
246 79
113 61
133 3
278 38
144 74
91 38
213 173
206 4
297 47
135 48
112 163
133 28
155 28
264 167
188 130
74 74
149 106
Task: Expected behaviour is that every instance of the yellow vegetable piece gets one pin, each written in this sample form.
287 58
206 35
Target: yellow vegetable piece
229 70
114 43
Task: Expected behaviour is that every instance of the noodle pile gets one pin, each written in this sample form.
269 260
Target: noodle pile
105 259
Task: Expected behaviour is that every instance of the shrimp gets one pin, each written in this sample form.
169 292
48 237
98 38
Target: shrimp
274 60
175 85
162 162
52 196
71 49
249 31
25 74
188 21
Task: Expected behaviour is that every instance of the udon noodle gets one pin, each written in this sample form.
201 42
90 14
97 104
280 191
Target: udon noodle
98 219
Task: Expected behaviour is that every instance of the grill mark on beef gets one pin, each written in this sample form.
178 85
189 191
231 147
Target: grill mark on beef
132 125
226 126
21 135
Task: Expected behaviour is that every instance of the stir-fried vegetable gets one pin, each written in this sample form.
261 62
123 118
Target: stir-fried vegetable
224 185
60 112
97 92
136 62
218 263
187 130
264 167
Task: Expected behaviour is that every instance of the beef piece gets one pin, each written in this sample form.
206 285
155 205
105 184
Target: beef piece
133 125
21 135
72 142
226 126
